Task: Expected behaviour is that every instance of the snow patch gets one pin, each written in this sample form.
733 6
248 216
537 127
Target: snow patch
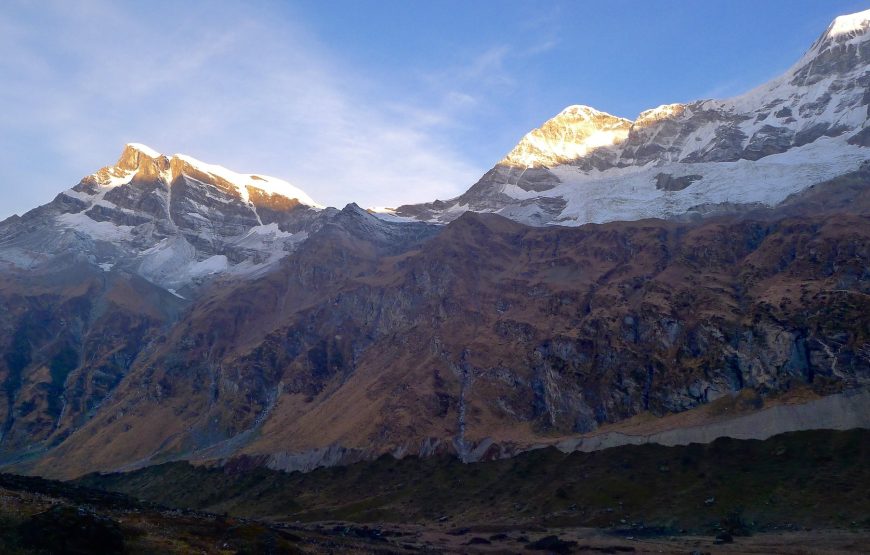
630 193
268 229
105 231
146 150
270 185
389 214
212 265
112 179
847 23
584 111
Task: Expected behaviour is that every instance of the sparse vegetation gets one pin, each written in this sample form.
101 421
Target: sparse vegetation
812 479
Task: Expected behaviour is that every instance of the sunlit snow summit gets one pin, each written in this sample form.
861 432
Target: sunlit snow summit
173 220
582 166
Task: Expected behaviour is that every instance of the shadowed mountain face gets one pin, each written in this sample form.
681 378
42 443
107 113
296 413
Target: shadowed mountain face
805 126
69 337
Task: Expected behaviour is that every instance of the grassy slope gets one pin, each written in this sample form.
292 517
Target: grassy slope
808 479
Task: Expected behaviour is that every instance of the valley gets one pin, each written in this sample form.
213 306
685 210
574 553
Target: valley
630 335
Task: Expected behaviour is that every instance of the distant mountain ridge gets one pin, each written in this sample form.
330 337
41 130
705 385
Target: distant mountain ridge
583 165
179 222
173 220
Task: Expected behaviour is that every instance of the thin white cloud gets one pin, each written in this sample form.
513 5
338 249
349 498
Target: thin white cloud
541 47
237 86
233 89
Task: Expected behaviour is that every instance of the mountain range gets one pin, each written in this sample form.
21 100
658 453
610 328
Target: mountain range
584 165
691 273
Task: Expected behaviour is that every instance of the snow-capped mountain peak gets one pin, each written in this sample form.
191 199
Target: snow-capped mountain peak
802 128
244 182
147 162
582 111
143 149
173 220
664 111
845 44
571 134
847 24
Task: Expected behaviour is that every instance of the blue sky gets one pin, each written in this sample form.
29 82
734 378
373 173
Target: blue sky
380 102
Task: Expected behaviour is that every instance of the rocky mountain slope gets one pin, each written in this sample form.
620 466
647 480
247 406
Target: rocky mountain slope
165 308
804 127
490 337
68 338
